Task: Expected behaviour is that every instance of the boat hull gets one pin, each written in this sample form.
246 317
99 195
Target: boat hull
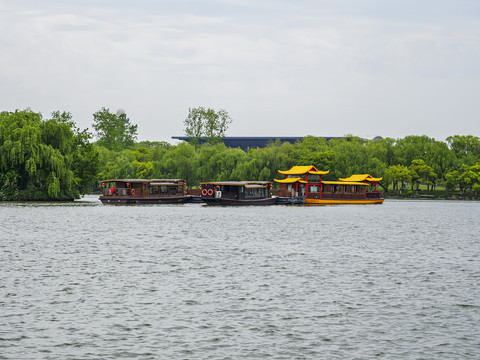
290 201
249 202
145 199
342 201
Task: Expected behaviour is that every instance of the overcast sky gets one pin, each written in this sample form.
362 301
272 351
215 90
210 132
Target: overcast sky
279 67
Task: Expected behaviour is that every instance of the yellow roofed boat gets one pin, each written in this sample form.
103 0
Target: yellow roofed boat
306 183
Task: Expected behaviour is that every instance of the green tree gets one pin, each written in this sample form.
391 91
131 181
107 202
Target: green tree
207 123
114 131
440 158
383 150
176 163
475 169
85 164
469 178
44 159
351 156
398 174
451 181
412 147
314 151
421 171
466 148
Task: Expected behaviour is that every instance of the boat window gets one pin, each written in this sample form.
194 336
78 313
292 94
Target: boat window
255 193
313 188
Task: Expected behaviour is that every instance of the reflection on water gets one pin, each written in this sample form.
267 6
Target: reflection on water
85 280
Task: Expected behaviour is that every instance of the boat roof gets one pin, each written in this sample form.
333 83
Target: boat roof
361 177
300 170
300 180
168 180
151 181
127 180
237 183
290 180
256 186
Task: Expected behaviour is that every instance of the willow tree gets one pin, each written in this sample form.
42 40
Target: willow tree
43 159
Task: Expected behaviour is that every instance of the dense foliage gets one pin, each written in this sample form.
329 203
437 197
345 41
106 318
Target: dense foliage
114 131
408 162
44 159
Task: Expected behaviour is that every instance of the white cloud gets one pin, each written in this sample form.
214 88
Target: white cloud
290 70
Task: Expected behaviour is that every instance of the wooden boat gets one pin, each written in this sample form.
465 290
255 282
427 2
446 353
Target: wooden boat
237 193
306 182
143 191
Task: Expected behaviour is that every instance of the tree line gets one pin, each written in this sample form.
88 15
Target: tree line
411 161
45 159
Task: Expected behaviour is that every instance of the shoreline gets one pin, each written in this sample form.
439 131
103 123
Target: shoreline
431 197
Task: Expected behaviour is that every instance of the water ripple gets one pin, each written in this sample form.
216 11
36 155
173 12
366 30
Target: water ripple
83 280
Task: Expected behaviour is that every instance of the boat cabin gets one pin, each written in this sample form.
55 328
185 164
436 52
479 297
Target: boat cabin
300 181
339 190
237 190
143 187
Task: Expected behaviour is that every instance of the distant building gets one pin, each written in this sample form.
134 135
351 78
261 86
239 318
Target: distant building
248 142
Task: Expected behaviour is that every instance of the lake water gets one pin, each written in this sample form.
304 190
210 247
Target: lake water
84 280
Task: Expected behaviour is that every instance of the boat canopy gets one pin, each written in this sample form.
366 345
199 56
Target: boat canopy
300 170
290 180
361 177
256 186
126 180
168 180
163 184
237 183
153 182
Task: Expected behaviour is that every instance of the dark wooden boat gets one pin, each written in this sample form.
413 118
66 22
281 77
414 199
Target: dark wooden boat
237 193
143 191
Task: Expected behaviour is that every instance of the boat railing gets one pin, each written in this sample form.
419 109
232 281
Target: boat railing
121 191
335 196
107 192
374 195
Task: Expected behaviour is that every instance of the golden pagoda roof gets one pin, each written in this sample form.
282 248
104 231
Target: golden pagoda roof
290 180
361 177
300 180
300 170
